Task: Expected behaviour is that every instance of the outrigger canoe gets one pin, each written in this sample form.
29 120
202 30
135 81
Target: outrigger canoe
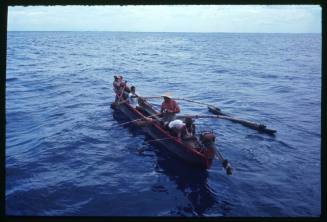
200 151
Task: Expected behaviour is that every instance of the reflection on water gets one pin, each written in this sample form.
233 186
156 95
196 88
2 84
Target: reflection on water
191 181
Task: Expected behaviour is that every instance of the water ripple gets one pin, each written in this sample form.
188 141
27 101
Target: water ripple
64 157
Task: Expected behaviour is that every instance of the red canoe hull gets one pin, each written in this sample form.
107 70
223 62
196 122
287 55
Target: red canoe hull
179 149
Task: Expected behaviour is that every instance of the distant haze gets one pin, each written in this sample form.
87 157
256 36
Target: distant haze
191 18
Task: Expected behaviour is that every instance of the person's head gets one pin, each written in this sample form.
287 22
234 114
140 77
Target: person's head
188 121
133 89
120 78
116 78
167 97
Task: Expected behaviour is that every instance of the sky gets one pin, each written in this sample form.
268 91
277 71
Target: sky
187 18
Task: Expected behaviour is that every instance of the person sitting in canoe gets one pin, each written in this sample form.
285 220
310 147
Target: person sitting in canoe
116 84
182 130
188 131
123 84
169 108
132 98
176 127
123 89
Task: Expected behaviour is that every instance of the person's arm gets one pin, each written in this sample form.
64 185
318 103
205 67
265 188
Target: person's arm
116 86
183 132
176 108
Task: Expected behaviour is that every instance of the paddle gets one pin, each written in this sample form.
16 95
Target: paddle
201 103
151 97
198 116
135 120
224 162
121 94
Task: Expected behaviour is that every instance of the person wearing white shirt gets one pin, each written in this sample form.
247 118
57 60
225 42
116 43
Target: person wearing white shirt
176 126
132 97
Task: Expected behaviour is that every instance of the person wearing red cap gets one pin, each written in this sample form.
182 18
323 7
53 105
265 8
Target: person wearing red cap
169 108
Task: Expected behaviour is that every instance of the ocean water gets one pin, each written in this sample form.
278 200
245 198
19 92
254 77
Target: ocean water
65 157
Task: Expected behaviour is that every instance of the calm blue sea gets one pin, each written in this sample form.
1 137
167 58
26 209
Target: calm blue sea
64 157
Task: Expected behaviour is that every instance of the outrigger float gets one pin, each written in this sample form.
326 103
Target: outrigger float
199 151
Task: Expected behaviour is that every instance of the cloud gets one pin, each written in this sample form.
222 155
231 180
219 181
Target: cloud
190 18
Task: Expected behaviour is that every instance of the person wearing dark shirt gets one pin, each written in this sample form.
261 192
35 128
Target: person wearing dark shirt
116 84
123 89
188 131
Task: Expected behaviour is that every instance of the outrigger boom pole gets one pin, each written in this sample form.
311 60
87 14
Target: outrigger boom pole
218 114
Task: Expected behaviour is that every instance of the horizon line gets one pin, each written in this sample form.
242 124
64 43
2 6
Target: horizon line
164 32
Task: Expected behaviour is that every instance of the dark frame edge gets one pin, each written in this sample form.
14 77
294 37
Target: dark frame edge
160 2
4 4
3 60
323 111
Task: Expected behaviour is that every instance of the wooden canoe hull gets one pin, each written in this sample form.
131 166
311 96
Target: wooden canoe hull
177 148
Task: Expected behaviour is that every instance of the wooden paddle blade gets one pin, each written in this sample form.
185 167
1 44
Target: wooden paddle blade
229 170
227 167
